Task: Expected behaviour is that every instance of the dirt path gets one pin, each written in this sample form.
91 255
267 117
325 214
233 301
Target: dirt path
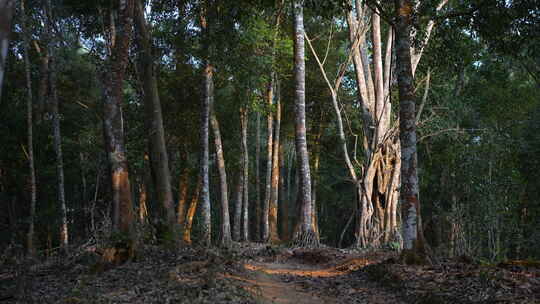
298 281
272 288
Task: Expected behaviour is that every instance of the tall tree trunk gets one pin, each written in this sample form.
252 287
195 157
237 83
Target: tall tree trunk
56 127
30 141
154 117
205 190
205 121
274 189
381 105
225 216
269 146
239 192
191 212
304 234
6 14
245 166
283 197
409 175
113 121
315 179
258 213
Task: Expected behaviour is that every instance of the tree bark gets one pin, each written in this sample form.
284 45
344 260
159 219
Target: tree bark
237 222
225 216
410 203
182 196
274 189
269 146
258 213
154 117
245 166
191 211
113 121
304 235
6 14
64 239
143 199
30 141
205 120
283 197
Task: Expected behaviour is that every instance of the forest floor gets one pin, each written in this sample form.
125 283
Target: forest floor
256 273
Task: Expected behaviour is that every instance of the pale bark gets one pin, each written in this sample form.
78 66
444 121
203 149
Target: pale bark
283 205
154 117
30 141
205 121
269 146
113 121
258 213
304 234
245 179
380 106
417 53
378 136
6 14
224 193
205 190
388 64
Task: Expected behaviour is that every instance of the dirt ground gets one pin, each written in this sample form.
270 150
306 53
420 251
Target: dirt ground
257 273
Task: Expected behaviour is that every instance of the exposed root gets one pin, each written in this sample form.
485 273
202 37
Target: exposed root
306 239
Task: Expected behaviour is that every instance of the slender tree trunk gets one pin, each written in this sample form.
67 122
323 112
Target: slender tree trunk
269 146
205 190
191 211
284 198
380 105
315 179
182 197
30 142
409 175
225 216
156 132
274 190
245 166
237 222
258 213
6 14
304 234
113 121
64 240
205 121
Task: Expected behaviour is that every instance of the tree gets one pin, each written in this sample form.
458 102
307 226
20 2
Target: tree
410 203
53 95
205 119
113 119
156 133
225 219
304 233
30 139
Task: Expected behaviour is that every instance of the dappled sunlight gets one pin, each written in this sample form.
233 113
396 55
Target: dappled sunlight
328 271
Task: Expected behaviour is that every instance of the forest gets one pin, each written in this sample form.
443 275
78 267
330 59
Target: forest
270 151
